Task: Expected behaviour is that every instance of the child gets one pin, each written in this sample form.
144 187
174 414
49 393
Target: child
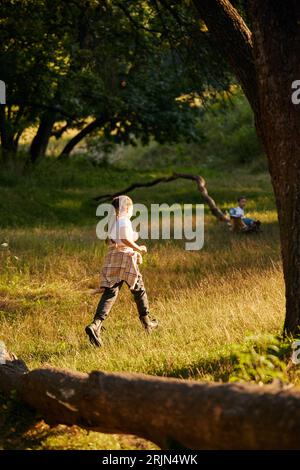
121 264
238 212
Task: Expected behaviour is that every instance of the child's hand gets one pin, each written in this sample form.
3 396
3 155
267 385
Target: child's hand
139 258
98 290
143 249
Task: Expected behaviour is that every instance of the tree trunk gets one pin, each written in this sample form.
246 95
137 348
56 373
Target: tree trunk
41 139
266 62
276 37
9 145
170 412
96 124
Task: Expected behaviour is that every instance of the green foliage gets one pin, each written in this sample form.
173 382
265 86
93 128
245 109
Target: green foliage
261 359
230 133
66 63
226 139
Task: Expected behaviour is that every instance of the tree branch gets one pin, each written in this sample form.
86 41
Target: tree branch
201 184
96 124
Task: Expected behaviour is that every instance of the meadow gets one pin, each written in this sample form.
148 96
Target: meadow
220 309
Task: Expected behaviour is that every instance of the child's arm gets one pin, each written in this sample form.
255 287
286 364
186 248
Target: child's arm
134 246
128 236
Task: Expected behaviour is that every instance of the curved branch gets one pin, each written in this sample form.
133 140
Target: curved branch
201 184
92 126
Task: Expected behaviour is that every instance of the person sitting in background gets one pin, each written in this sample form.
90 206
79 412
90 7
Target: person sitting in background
239 213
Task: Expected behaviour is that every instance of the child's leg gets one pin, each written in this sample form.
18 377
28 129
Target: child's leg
140 297
107 300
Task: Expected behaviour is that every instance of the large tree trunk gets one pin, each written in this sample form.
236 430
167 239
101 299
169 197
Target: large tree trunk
172 413
266 62
41 139
276 37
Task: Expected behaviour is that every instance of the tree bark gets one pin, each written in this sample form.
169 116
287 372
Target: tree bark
276 34
172 413
96 124
41 139
8 144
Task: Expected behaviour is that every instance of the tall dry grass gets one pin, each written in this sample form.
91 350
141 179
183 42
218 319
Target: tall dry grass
204 300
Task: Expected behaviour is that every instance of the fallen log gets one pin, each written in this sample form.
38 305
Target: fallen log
172 413
201 185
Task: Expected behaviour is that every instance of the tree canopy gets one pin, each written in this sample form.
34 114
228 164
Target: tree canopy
103 66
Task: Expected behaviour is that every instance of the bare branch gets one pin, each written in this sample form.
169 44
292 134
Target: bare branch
201 184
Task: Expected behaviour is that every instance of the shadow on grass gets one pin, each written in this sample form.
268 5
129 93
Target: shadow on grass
217 370
258 359
16 420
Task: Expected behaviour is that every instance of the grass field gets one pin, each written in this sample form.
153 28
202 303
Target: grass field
220 309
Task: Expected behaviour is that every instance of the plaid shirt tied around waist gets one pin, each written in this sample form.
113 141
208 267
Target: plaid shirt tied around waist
119 266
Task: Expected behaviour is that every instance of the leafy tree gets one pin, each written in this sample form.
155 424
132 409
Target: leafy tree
98 66
31 63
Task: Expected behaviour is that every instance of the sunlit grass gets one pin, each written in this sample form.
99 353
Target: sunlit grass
205 301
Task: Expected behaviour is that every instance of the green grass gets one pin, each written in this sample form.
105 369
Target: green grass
215 306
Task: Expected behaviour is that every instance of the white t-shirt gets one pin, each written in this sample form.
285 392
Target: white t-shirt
237 212
122 230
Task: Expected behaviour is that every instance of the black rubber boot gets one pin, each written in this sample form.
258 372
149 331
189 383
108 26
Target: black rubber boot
148 323
93 332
